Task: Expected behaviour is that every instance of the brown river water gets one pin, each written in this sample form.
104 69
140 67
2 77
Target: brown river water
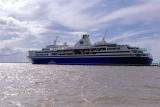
27 85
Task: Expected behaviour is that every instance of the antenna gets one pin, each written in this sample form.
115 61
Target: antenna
55 41
104 37
105 33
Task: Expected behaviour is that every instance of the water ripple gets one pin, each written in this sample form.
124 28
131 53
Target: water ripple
27 85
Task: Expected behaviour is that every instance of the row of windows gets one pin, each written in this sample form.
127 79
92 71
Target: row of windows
140 55
81 52
113 48
137 51
42 54
92 49
114 52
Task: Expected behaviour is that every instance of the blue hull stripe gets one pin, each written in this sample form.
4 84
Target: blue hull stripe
95 60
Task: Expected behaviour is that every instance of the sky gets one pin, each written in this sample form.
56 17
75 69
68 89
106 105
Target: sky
33 24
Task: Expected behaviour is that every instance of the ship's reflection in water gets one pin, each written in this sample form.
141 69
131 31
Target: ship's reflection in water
27 85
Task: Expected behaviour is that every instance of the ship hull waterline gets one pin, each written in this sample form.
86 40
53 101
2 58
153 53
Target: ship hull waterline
93 60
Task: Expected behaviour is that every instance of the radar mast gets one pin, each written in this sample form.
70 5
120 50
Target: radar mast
55 41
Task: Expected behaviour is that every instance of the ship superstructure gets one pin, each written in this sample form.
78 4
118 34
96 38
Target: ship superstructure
85 53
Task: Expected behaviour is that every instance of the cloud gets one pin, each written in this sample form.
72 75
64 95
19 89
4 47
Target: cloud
72 14
130 34
143 11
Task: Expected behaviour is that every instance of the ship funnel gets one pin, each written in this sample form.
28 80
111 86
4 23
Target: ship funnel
83 42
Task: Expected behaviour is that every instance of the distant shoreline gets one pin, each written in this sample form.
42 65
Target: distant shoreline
14 62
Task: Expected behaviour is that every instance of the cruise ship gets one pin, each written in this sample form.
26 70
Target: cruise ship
85 53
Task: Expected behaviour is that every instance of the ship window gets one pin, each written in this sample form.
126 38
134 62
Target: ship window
81 42
113 48
138 55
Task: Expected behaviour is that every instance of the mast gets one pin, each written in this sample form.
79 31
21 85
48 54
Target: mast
55 41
